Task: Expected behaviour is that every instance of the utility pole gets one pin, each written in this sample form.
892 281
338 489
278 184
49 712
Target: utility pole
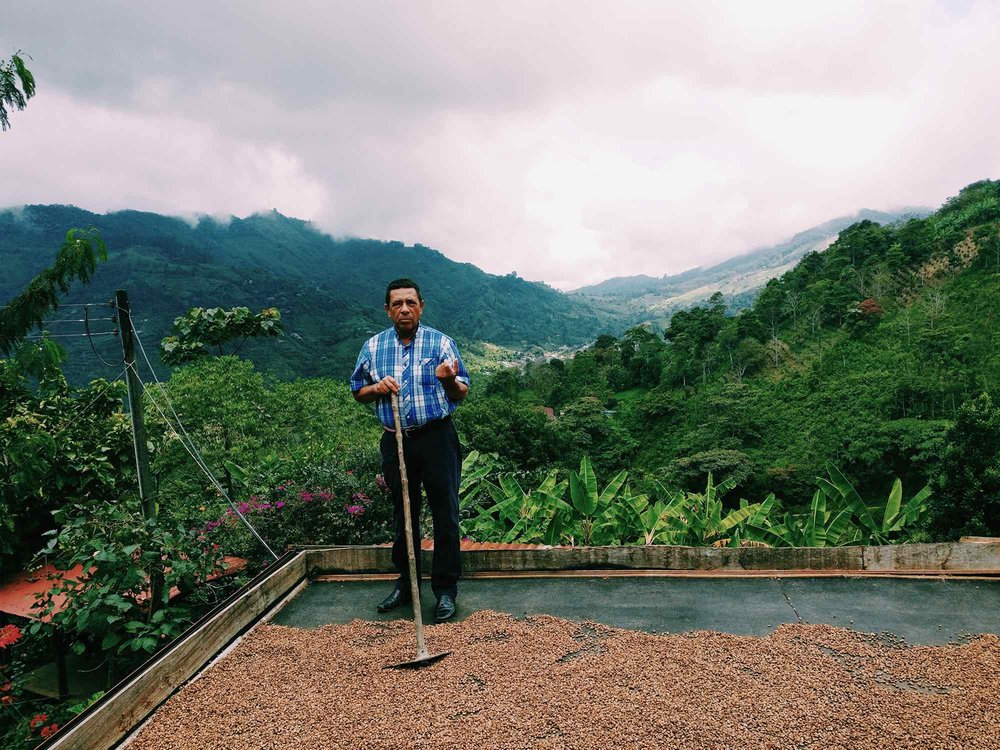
146 493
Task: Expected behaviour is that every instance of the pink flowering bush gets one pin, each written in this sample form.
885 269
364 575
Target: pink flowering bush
315 504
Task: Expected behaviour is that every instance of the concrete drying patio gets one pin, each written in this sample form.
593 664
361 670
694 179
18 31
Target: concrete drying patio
920 594
920 611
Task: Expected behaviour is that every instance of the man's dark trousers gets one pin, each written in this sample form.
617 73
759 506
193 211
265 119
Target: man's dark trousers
433 459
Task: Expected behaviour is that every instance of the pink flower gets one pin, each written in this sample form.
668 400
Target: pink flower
350 471
306 497
380 481
243 507
356 510
279 505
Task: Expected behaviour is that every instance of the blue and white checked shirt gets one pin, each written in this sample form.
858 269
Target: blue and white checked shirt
422 398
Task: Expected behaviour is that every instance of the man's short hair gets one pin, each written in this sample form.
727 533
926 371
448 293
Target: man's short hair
402 284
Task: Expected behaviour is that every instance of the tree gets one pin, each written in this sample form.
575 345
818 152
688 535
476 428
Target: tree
968 498
748 356
691 471
75 261
199 328
17 85
520 434
792 302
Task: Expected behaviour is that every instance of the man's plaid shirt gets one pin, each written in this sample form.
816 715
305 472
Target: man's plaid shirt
422 398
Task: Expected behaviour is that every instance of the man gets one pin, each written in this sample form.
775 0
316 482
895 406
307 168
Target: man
422 366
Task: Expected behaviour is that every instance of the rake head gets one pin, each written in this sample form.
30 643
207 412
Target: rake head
422 660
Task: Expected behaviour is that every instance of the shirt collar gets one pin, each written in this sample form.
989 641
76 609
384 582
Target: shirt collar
413 339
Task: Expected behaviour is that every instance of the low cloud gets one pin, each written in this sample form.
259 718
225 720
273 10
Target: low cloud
567 141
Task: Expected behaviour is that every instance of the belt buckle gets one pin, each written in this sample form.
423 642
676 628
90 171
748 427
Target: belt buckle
410 431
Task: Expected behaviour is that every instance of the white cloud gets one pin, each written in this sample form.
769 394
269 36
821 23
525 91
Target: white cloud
567 141
68 151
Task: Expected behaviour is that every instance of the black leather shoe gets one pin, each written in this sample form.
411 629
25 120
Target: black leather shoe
445 608
396 599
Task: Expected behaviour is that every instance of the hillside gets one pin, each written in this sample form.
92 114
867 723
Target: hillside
738 278
330 292
866 354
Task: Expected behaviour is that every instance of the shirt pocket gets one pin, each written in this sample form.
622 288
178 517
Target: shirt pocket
426 374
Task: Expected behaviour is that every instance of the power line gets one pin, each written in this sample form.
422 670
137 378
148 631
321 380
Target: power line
193 449
76 320
75 304
69 335
90 338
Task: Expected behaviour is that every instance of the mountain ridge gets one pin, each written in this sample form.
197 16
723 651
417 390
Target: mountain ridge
673 290
329 291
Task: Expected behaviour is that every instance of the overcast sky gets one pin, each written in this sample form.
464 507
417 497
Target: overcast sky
568 141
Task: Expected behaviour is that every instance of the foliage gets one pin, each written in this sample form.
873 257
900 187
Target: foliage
17 85
198 329
519 433
595 519
734 466
503 511
107 603
59 445
76 259
324 504
330 291
699 519
819 527
862 355
534 517
275 431
878 523
968 498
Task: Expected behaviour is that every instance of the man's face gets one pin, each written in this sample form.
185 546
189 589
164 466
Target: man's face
404 309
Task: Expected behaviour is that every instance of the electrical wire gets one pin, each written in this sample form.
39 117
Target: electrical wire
70 335
193 449
75 304
75 320
90 338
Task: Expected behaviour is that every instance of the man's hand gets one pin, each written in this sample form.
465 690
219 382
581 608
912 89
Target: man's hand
375 391
386 386
447 373
447 370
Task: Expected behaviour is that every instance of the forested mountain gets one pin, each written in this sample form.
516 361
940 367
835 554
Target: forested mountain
738 278
329 292
879 354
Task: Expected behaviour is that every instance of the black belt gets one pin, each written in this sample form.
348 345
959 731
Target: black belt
419 429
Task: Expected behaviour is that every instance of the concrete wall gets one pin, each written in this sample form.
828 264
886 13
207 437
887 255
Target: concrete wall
949 556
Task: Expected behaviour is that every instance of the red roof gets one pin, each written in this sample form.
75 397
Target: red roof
17 593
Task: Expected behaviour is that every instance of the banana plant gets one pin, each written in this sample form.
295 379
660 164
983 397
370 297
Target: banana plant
596 519
878 523
698 520
475 468
652 519
516 515
820 527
